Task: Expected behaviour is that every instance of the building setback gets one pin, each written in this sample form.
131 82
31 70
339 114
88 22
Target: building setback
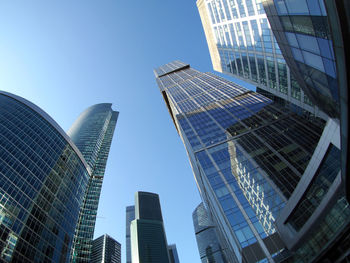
248 155
105 249
43 178
92 133
148 240
130 215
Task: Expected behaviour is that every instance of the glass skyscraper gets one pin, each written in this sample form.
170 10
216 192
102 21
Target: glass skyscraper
302 31
312 42
208 243
307 42
92 133
130 215
248 155
148 240
313 36
43 178
242 44
105 249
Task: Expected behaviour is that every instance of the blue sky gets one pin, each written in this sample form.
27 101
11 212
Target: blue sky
67 55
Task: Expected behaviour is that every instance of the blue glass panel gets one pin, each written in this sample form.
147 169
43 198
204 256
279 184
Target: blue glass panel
292 40
297 7
314 7
326 50
308 43
297 54
330 67
281 7
313 60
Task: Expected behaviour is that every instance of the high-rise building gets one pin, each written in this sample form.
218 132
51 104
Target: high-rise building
105 249
130 215
208 244
308 37
43 178
148 240
312 43
174 257
250 156
312 36
92 133
241 44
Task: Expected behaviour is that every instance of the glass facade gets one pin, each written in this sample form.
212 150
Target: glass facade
130 215
247 48
247 152
330 234
322 181
304 35
43 178
210 250
92 133
105 249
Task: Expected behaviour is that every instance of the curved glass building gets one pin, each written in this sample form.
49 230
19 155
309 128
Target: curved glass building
92 133
208 244
43 178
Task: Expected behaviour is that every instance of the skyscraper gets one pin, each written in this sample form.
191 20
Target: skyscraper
312 36
130 215
241 44
43 178
105 249
174 257
92 133
312 43
248 155
208 244
309 37
148 240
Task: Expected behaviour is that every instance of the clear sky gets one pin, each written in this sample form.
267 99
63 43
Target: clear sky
66 55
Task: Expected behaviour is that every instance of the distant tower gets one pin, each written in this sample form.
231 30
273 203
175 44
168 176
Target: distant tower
210 249
92 133
130 215
148 240
43 178
174 257
105 250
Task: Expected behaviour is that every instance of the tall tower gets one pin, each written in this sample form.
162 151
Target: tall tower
130 215
148 240
241 44
92 133
43 178
248 155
